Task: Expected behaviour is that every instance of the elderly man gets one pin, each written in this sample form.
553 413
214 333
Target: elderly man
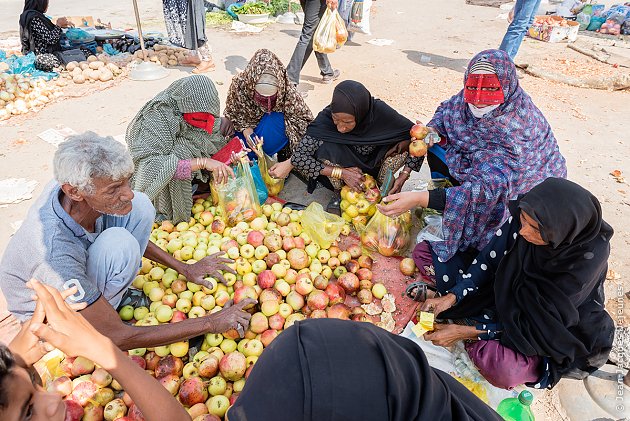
89 229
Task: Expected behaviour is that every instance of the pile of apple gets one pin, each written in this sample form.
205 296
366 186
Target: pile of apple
357 207
277 264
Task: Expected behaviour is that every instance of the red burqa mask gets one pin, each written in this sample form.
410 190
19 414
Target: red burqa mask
201 120
483 89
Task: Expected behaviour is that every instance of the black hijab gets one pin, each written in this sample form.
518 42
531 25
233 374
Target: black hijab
377 124
339 370
32 9
550 299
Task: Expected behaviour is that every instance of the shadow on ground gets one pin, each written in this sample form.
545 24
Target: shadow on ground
235 64
291 32
437 61
295 191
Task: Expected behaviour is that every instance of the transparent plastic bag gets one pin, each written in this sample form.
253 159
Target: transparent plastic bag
325 40
341 33
388 236
321 226
432 230
238 198
274 185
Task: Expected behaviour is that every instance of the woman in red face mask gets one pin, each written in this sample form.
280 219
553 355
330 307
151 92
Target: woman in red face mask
495 144
263 103
172 140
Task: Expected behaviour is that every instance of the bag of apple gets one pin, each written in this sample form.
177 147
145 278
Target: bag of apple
388 236
238 199
358 207
325 39
321 226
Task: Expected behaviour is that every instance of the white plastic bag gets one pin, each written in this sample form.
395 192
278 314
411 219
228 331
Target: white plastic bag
432 231
360 17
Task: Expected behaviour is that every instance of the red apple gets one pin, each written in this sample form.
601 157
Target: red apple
320 282
192 391
418 148
269 294
276 322
273 242
349 282
142 363
218 226
317 300
268 336
243 293
74 411
365 261
304 285
178 316
233 366
271 259
209 367
318 314
419 131
355 251
255 238
84 392
61 385
170 383
266 279
134 414
339 311
258 323
352 266
299 243
336 294
169 365
298 259
364 274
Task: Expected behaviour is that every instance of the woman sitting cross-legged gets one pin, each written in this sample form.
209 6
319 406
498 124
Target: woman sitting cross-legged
533 299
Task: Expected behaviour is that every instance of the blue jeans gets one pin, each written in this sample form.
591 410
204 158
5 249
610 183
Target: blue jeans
115 256
524 14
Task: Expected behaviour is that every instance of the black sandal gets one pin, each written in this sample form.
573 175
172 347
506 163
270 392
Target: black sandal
417 291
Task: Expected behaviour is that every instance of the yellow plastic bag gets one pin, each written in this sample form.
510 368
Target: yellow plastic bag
274 185
330 33
238 199
321 226
388 236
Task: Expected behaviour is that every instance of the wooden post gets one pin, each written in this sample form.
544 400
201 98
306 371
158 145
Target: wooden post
135 8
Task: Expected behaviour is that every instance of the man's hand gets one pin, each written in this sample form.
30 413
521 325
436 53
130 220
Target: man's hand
400 203
332 4
26 344
448 335
354 178
208 266
439 304
227 128
232 317
64 328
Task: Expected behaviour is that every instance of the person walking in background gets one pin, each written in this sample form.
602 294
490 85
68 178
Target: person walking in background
313 11
186 27
524 13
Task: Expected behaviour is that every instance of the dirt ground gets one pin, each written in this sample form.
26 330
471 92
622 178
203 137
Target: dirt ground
591 126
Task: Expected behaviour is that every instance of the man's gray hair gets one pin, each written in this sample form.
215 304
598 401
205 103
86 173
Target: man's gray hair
86 156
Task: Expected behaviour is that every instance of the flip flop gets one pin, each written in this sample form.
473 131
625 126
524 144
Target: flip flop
417 291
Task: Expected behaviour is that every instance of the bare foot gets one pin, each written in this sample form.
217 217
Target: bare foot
203 67
190 60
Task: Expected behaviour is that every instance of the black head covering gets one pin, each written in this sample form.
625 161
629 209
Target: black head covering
32 8
550 298
338 370
377 124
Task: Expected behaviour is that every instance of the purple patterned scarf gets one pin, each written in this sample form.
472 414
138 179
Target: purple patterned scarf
495 158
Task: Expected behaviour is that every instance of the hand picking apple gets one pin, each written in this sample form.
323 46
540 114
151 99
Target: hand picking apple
399 203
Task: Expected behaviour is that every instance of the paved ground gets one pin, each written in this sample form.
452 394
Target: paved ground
591 126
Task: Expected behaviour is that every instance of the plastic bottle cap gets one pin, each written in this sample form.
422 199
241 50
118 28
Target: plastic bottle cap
526 397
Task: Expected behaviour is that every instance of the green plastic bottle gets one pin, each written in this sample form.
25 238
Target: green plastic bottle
517 409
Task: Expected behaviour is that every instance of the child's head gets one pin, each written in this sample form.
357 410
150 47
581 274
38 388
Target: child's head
20 398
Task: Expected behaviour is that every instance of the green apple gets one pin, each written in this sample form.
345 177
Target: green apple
164 313
126 313
217 386
140 312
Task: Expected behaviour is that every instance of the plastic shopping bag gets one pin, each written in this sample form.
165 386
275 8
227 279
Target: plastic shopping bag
238 198
274 185
432 230
321 226
360 17
330 33
261 188
388 236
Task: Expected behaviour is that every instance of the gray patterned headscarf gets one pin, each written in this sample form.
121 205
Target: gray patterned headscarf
158 138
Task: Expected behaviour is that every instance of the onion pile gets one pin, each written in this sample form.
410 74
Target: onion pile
20 94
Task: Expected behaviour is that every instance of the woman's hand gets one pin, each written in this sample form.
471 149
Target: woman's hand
439 304
63 22
227 128
400 181
400 203
399 148
220 171
281 170
26 344
447 335
353 177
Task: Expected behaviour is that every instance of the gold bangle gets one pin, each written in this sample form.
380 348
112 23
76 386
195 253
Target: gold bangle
336 173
